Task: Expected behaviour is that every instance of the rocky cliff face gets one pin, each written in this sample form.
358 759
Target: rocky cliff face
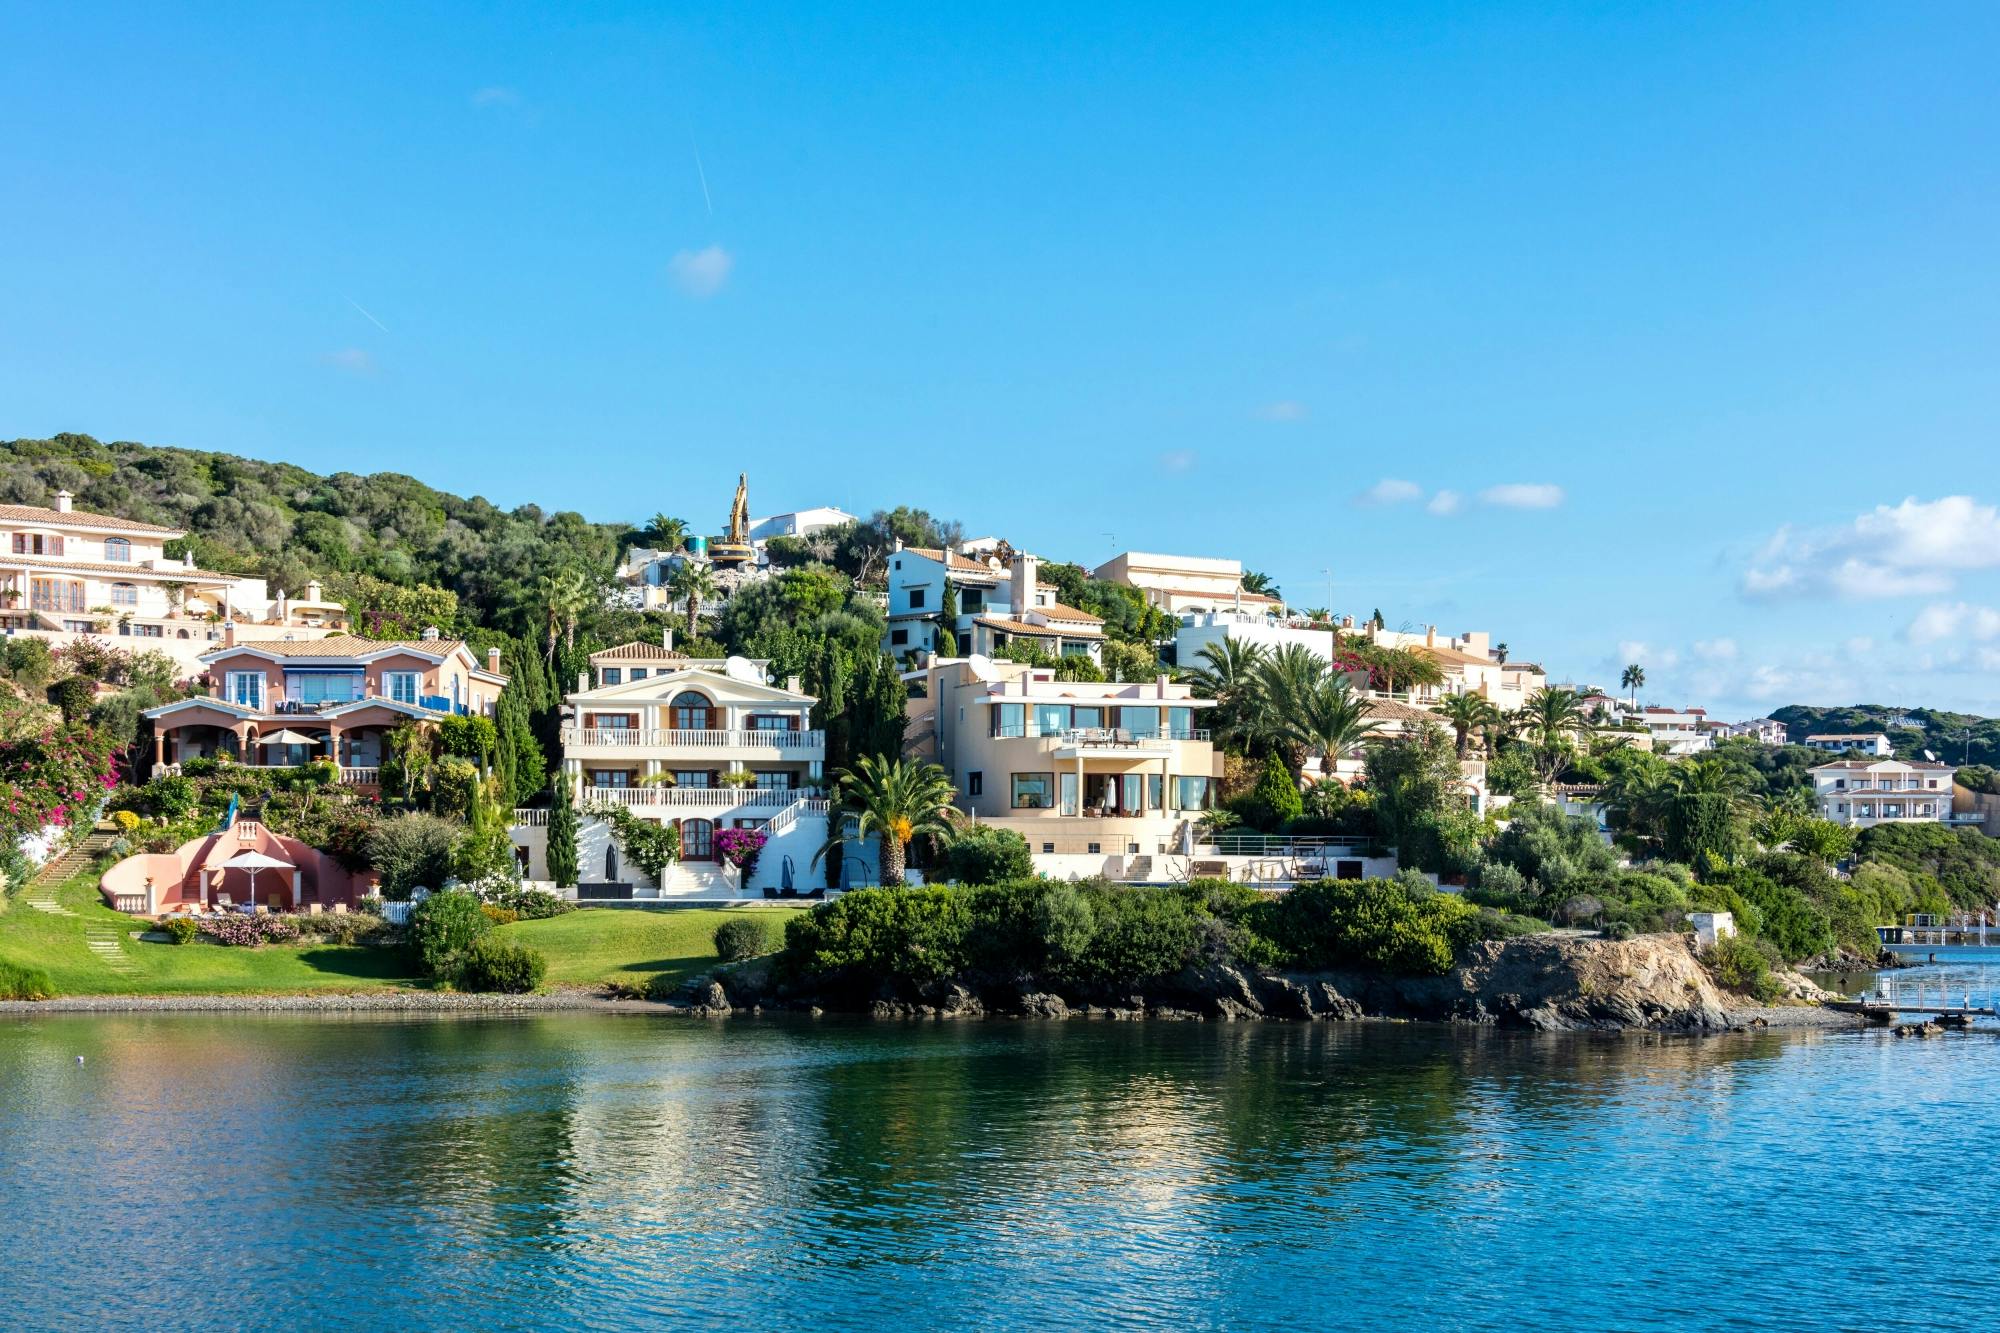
1546 982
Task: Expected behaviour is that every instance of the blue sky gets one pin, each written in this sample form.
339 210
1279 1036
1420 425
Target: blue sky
1667 303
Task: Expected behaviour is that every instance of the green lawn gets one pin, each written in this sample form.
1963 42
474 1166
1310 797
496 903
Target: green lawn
583 948
633 945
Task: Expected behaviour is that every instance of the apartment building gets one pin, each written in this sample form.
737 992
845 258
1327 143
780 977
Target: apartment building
1091 774
1867 742
995 602
1676 732
281 702
1863 793
1763 730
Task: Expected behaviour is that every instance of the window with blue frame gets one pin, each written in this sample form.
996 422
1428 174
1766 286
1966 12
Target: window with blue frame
324 687
1010 720
1180 721
1051 719
1140 721
402 686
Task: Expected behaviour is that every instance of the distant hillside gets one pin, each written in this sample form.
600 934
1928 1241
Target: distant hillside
287 524
1933 730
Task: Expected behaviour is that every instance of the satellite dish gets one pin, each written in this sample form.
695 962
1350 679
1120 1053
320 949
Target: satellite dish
742 668
1929 756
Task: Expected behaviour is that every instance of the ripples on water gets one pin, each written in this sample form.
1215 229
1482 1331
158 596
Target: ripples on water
601 1171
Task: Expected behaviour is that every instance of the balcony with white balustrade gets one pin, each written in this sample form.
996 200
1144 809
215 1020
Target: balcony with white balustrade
671 745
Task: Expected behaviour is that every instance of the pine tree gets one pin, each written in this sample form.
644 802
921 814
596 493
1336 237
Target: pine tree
562 837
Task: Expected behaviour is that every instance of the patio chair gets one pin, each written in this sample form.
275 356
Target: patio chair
223 902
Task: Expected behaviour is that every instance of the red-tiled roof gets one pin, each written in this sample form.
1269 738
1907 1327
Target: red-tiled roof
641 651
77 518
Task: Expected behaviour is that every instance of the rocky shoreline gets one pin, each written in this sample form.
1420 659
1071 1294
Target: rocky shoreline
1543 983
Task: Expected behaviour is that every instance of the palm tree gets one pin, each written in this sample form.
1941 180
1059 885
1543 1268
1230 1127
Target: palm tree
898 799
1500 651
1634 676
693 583
668 532
1259 583
1468 713
1330 718
1229 674
1286 681
1551 716
565 596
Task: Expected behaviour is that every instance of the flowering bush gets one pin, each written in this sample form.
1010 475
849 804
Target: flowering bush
741 847
249 931
54 779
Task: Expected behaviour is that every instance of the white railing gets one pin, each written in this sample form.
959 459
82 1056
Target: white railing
363 777
707 798
674 738
531 818
782 822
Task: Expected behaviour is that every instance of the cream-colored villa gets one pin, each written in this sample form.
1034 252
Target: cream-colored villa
704 745
1863 793
1080 769
66 569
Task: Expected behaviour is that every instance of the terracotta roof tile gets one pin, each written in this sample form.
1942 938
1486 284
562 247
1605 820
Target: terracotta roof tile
77 518
637 650
1057 611
345 645
58 565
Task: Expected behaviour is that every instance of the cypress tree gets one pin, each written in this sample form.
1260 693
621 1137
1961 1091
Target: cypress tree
562 837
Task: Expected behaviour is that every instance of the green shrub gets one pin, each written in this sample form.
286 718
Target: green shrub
412 852
662 987
443 928
986 855
500 916
876 935
1274 802
741 938
1140 934
18 981
1377 924
496 965
528 904
181 929
1739 965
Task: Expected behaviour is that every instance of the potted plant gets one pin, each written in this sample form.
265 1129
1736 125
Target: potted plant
740 847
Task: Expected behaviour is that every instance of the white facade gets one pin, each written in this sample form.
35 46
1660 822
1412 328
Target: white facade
1863 793
1178 584
1763 730
996 605
1841 742
1675 732
798 523
1201 629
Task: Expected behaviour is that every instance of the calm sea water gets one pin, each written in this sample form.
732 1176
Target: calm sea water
612 1171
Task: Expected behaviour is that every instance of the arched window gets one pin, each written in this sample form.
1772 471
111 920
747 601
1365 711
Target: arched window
692 711
118 550
697 840
124 594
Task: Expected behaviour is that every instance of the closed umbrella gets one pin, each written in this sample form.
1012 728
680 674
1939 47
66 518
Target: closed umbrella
254 862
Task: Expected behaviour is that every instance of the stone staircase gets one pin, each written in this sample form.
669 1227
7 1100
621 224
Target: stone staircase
41 891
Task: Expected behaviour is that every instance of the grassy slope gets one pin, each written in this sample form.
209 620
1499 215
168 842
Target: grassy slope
586 947
632 945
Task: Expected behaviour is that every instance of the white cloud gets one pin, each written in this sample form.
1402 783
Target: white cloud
1960 621
1390 491
1285 409
1523 495
1446 502
1646 656
1916 548
496 95
701 273
1715 650
353 360
1860 645
1178 460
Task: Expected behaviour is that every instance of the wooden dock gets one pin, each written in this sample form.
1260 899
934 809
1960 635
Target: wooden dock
1884 1005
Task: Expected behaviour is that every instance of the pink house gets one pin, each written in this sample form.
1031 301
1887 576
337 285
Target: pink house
193 877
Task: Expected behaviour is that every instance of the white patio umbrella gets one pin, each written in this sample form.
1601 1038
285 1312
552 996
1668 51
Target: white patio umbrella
287 736
254 862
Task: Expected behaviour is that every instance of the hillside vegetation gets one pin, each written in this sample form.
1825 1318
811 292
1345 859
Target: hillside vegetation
1935 729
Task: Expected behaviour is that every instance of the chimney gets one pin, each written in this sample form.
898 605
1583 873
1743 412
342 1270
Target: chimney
493 660
582 682
313 592
228 634
1347 622
792 685
667 638
1430 636
1023 586
62 501
1165 680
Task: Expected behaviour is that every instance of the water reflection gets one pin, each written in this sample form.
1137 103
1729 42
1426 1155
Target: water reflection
600 1171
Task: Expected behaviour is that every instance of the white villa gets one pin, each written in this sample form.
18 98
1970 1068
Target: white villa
1181 584
68 570
1676 732
798 523
1867 742
1864 793
1000 600
704 745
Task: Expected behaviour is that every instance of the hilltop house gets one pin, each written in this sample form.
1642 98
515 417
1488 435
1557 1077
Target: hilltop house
286 701
1867 742
1676 732
1864 793
1182 584
996 602
1096 776
65 569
